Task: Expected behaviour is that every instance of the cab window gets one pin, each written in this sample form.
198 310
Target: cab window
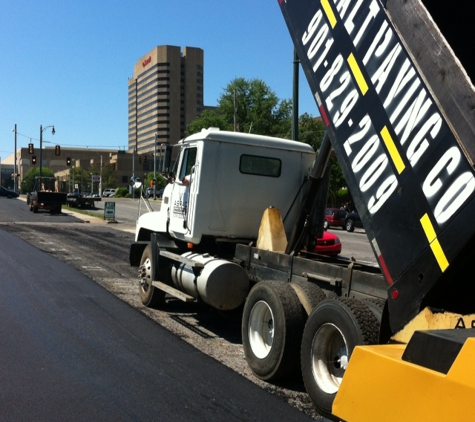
187 163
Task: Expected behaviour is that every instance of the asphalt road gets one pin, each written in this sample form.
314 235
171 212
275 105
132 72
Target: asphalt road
71 350
99 251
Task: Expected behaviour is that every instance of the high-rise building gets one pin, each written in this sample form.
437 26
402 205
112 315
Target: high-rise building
165 95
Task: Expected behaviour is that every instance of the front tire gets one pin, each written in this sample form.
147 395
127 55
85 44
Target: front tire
333 330
350 225
150 296
272 327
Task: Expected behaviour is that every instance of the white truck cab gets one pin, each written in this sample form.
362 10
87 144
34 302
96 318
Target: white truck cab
223 183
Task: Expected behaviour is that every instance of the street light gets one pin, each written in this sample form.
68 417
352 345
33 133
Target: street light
15 180
100 181
41 143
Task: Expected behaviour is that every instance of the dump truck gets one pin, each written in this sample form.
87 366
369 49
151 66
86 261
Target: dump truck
240 216
45 196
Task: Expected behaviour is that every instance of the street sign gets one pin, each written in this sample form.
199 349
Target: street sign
96 178
109 210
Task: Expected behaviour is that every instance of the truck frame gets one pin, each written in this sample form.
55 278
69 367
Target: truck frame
238 221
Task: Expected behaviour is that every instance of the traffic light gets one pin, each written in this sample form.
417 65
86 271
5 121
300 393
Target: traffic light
68 161
145 158
31 149
140 160
57 150
33 159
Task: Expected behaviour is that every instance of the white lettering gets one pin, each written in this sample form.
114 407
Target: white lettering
454 198
413 116
381 75
312 27
365 124
382 194
419 144
334 69
349 25
406 73
449 161
346 107
373 11
365 154
388 33
372 174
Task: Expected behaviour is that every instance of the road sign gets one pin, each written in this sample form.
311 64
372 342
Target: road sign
109 210
96 178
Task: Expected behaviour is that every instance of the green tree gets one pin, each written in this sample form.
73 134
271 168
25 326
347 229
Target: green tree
109 178
258 110
28 182
82 178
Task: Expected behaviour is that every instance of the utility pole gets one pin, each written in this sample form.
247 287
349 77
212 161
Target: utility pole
15 179
155 169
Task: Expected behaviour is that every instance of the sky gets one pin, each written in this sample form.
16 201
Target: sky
67 62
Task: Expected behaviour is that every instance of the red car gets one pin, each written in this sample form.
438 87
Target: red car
334 217
329 244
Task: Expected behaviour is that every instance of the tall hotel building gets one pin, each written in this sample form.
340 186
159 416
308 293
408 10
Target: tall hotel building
165 95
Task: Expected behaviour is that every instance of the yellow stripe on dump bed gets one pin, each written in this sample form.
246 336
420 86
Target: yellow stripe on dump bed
329 12
355 69
393 152
434 243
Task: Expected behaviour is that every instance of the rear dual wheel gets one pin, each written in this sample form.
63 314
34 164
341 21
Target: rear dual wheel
333 330
272 327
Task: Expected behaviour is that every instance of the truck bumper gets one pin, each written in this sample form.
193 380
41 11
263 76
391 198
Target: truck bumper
380 384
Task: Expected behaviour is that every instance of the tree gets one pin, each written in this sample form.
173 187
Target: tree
109 178
256 107
82 178
28 182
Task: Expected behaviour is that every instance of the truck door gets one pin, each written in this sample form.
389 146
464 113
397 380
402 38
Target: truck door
181 199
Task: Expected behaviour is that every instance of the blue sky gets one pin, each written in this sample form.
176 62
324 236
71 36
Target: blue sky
66 62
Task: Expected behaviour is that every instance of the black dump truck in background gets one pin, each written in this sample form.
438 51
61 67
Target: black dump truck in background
45 197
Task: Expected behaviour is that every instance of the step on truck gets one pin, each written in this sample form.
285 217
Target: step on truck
238 222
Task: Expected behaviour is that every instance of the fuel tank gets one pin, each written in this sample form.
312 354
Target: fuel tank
221 284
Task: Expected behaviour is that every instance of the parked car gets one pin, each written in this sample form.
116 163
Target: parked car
329 244
149 193
334 217
108 192
352 220
8 193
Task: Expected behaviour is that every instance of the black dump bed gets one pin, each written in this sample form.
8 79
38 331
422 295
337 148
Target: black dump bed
51 198
398 105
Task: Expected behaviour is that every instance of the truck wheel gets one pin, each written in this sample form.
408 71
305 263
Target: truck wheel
35 209
272 327
150 296
333 330
309 294
350 225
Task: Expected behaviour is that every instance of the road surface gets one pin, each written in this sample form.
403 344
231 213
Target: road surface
73 351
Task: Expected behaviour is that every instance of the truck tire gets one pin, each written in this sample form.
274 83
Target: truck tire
150 296
333 330
272 326
309 294
35 209
350 225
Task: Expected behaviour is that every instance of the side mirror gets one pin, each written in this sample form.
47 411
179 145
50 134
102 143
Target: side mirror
135 182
